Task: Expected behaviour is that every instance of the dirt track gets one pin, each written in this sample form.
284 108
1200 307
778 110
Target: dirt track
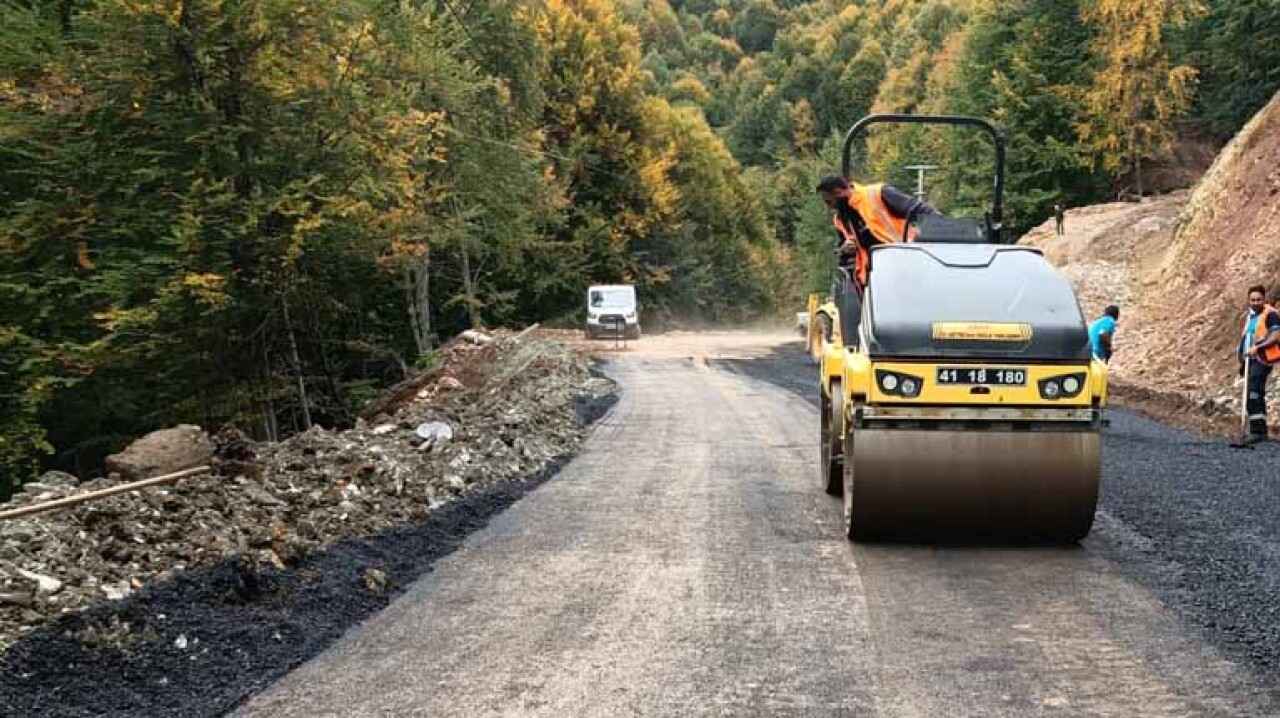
687 564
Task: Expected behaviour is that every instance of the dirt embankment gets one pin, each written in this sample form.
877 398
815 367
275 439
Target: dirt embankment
1179 266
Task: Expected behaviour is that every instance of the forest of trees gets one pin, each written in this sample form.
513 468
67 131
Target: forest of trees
260 212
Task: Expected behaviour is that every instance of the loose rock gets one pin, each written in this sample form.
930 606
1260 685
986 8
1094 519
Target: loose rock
162 452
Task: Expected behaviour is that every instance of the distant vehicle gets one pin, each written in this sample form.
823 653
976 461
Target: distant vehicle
610 308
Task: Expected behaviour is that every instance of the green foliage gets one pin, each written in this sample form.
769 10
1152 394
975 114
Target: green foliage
1138 91
1236 46
755 25
1021 66
24 380
259 211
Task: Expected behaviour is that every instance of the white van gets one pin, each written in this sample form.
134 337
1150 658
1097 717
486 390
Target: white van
609 305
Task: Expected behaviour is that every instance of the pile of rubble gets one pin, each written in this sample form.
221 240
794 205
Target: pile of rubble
496 407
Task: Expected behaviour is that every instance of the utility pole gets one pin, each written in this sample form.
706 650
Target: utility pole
920 170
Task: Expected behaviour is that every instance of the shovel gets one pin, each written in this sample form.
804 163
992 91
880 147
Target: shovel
1243 442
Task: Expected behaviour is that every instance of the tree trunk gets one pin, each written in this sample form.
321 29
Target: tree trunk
1136 153
411 305
424 301
469 290
330 371
64 16
417 296
269 426
297 364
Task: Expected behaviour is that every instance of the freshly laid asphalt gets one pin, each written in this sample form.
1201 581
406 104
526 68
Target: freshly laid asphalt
687 563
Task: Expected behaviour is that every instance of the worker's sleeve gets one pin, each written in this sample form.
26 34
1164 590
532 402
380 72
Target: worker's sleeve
1273 322
904 205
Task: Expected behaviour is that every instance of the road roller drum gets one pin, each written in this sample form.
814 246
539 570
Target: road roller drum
971 484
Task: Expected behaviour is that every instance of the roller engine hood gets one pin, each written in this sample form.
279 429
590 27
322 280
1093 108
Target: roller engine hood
971 301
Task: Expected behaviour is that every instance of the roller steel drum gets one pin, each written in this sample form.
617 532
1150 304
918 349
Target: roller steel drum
903 484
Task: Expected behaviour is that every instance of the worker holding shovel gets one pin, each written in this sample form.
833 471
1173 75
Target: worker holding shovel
1259 350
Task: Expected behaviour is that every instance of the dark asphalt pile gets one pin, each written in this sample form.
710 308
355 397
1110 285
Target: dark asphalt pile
1185 515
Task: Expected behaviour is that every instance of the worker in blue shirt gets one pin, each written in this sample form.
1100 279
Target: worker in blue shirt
1102 331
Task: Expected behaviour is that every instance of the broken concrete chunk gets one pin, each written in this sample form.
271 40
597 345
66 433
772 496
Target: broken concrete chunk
434 431
116 591
475 337
45 584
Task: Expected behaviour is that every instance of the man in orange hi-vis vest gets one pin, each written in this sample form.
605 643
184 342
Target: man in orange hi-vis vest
867 215
1259 350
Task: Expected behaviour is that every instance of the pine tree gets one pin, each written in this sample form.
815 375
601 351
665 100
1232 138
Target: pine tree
1138 91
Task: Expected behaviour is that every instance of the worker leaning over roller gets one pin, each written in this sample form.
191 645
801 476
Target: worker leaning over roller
867 215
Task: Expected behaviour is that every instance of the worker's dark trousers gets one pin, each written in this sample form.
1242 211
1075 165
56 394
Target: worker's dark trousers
1257 403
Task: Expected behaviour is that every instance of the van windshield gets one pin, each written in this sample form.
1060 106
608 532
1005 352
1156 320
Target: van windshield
612 297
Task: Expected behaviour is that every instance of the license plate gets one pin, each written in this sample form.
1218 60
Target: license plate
982 375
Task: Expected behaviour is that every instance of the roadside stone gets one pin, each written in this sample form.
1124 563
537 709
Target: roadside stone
58 478
162 452
260 496
23 599
116 591
375 580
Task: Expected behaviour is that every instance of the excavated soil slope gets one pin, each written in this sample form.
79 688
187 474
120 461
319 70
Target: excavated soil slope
1179 266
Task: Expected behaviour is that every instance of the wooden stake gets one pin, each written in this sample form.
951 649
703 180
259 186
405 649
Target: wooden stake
94 495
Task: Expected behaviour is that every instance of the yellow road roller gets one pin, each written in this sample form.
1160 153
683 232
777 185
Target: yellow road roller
967 405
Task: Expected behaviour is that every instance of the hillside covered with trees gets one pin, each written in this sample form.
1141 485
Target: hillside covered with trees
260 212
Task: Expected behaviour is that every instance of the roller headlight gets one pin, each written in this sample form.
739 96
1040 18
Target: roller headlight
903 385
1064 386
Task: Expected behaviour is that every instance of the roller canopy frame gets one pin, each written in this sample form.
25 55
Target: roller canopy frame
996 217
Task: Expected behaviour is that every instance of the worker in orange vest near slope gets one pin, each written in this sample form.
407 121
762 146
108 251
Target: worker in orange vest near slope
1259 348
867 215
